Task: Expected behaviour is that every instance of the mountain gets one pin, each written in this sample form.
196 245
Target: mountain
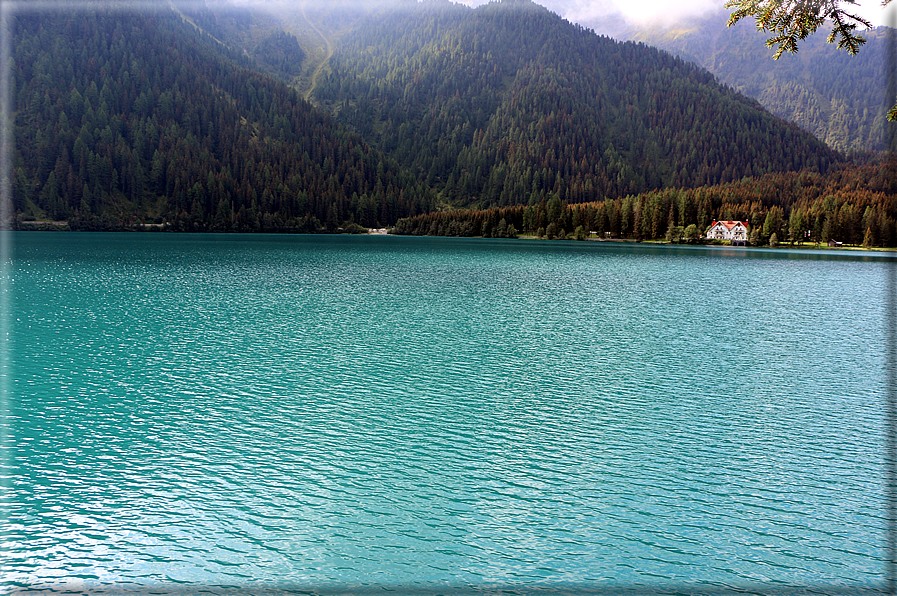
183 115
126 118
507 103
838 97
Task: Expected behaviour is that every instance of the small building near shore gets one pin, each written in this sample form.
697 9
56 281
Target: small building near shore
734 231
835 243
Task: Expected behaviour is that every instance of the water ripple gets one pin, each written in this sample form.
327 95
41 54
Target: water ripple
227 411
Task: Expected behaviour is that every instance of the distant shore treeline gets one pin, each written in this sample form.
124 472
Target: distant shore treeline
854 205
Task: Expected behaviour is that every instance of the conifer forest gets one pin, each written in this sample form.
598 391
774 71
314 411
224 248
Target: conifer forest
428 118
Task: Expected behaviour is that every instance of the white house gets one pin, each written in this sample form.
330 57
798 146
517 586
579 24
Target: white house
735 231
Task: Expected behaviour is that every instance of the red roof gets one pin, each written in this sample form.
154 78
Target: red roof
729 224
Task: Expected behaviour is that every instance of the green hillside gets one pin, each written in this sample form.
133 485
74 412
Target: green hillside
836 96
131 118
508 103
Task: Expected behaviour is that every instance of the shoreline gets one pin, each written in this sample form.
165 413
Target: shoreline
63 226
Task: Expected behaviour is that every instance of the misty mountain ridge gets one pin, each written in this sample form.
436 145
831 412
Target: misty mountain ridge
838 97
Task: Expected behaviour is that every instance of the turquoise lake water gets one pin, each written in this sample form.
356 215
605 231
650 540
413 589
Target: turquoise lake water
387 413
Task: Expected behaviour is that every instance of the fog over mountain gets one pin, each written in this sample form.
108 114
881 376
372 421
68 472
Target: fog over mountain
605 14
586 12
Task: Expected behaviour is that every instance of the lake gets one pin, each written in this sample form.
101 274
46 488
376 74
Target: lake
259 414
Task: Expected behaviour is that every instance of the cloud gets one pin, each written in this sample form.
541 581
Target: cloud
625 12
634 12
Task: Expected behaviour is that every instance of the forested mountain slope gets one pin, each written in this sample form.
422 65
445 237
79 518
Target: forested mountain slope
836 96
254 32
289 39
130 118
508 103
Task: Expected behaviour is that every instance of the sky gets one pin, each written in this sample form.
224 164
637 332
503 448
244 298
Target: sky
664 11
